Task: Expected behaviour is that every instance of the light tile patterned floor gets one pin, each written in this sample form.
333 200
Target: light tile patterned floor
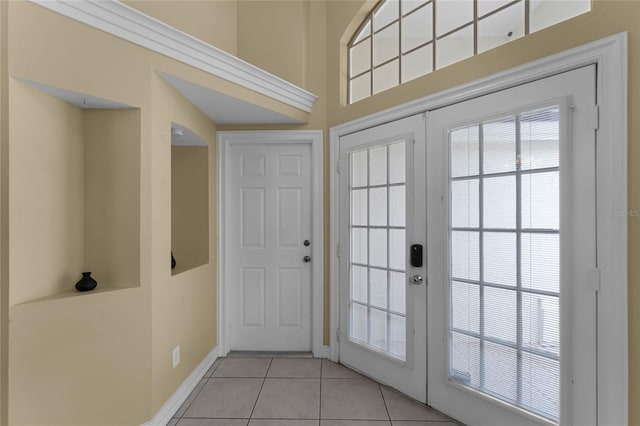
265 391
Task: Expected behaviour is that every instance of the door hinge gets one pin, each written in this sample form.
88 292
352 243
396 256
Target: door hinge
594 279
596 117
338 250
338 334
338 166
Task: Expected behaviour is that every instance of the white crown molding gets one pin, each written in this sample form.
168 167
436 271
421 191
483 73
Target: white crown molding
132 25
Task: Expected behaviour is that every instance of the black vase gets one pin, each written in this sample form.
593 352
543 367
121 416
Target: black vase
173 261
86 283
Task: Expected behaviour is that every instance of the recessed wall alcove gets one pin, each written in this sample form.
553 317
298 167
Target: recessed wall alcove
189 199
74 192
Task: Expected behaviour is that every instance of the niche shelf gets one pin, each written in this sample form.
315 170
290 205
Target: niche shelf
74 192
189 199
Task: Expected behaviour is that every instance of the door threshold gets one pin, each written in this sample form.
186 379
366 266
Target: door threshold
269 354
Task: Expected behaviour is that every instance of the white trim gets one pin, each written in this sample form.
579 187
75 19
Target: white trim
315 138
610 54
173 404
132 25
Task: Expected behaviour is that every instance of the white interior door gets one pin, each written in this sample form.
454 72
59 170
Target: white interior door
512 244
382 308
269 246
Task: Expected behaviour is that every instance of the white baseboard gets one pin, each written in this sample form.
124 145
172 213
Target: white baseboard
166 412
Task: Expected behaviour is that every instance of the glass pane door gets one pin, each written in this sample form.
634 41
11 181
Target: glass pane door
504 332
512 238
383 301
378 233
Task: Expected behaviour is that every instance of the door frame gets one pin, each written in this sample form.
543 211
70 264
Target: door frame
610 56
225 140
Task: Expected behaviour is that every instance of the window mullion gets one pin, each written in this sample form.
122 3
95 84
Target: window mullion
519 327
481 248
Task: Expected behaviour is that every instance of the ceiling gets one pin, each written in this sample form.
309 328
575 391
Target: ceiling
225 109
75 98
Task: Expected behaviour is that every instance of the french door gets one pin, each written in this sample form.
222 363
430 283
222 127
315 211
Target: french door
512 241
382 233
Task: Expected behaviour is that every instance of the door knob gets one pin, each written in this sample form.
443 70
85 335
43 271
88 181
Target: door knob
306 243
416 280
306 259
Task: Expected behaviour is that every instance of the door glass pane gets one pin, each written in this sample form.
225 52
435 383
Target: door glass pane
378 166
499 145
539 131
397 162
540 200
397 209
378 283
397 298
464 144
378 248
499 202
378 206
505 277
465 203
359 210
359 287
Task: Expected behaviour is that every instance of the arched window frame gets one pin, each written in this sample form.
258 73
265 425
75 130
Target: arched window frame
368 78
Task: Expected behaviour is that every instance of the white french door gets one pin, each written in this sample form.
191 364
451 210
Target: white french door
382 228
269 246
512 241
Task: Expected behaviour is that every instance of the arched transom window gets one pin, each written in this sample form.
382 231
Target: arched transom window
404 39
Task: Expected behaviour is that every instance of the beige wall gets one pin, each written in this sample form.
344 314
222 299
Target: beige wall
184 305
211 21
273 35
606 18
112 362
46 194
112 196
189 206
301 41
4 228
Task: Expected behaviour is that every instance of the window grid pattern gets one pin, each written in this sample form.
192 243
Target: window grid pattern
401 40
377 265
499 336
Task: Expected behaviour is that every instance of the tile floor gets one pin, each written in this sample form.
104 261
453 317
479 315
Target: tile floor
265 391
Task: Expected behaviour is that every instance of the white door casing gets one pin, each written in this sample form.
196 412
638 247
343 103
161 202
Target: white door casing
382 311
269 207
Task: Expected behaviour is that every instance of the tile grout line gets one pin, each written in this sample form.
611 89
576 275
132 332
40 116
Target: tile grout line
206 379
260 391
385 403
320 400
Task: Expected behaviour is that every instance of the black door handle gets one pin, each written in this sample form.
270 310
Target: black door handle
306 259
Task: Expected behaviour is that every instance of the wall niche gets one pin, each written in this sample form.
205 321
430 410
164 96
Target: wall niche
74 192
189 199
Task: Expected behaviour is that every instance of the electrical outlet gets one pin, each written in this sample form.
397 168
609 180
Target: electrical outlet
176 356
